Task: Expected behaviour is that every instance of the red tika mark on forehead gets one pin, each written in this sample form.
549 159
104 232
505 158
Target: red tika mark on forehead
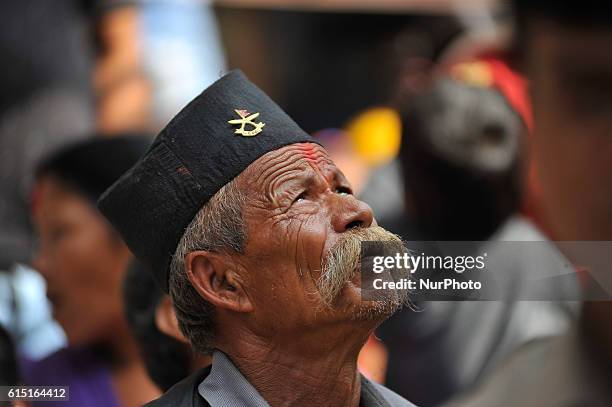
309 151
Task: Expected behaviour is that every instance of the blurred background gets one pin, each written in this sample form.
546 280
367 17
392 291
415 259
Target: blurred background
419 102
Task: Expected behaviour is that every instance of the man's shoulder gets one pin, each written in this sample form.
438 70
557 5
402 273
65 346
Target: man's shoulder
183 393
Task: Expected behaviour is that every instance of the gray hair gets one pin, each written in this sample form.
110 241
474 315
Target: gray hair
218 226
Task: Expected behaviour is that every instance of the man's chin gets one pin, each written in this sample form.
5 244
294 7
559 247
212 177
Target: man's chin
377 309
350 302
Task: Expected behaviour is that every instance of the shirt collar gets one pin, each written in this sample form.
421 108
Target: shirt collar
225 386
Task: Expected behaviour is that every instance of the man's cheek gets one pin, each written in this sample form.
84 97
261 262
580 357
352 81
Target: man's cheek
310 246
273 234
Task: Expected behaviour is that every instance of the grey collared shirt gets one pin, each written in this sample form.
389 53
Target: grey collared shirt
225 386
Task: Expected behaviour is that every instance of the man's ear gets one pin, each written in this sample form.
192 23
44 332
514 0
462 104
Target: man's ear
165 319
214 277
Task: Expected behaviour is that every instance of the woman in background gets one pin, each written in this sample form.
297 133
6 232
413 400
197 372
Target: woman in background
83 262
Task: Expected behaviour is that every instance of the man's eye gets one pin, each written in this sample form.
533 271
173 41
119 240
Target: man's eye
300 197
343 191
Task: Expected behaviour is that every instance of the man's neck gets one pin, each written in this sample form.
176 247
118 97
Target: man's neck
302 371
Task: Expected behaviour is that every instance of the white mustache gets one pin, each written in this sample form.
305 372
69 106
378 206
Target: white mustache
342 260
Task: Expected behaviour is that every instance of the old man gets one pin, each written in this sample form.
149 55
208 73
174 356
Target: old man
254 232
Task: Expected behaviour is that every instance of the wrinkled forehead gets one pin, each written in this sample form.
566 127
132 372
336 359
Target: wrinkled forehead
301 160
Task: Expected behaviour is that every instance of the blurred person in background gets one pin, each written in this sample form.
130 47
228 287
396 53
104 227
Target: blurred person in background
461 157
564 49
75 67
166 353
83 262
70 66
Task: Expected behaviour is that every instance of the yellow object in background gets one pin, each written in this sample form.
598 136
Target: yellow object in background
376 135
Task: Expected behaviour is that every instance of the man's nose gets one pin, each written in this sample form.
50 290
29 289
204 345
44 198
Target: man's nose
352 213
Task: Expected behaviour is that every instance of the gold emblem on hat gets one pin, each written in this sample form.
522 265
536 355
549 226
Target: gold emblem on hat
247 118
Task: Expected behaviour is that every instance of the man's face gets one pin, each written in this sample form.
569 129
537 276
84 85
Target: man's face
571 78
299 208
